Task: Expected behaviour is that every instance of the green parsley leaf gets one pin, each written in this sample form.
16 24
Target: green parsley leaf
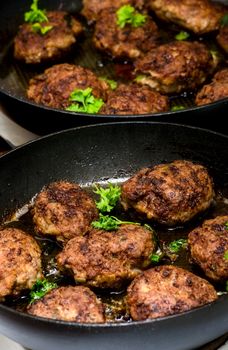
182 36
155 258
177 108
127 14
85 101
40 288
175 246
226 225
224 20
112 83
35 14
226 255
110 223
108 197
139 78
38 28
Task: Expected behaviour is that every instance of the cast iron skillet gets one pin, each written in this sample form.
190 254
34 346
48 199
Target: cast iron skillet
14 78
104 152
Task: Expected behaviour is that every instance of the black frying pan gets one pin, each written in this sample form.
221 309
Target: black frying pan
104 152
14 79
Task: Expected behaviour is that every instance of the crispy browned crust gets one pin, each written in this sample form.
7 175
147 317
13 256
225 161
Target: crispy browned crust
123 42
167 290
72 304
215 91
176 66
135 99
20 261
33 47
92 8
108 259
63 209
54 86
169 193
208 245
199 16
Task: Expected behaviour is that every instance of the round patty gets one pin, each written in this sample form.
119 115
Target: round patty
199 16
135 99
175 67
63 209
20 261
33 47
92 8
108 259
209 246
54 87
170 193
167 290
216 90
123 42
72 304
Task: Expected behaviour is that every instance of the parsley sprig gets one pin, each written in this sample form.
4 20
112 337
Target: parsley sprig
108 197
226 255
112 83
127 14
182 36
110 223
175 246
37 16
84 101
40 288
224 20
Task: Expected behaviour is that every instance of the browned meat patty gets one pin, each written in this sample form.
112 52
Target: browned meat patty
135 99
72 304
127 42
167 290
222 38
199 16
208 246
63 209
20 261
169 193
33 47
176 66
216 90
92 8
107 259
54 87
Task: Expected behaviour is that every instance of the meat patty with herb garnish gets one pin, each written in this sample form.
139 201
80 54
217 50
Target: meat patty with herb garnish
92 8
175 67
167 290
63 209
135 99
72 304
57 86
108 259
39 42
215 91
124 32
20 261
170 193
199 16
209 247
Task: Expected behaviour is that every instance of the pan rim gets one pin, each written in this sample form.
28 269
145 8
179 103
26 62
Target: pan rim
61 112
